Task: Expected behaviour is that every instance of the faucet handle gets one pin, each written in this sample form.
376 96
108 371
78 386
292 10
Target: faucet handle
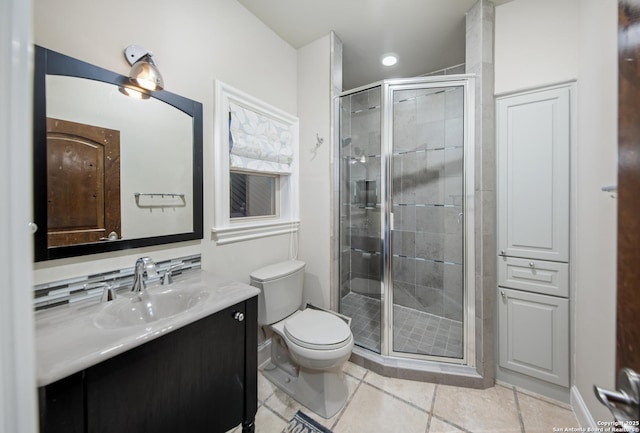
109 294
167 278
149 266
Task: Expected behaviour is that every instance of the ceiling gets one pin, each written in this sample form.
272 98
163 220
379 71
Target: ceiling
427 35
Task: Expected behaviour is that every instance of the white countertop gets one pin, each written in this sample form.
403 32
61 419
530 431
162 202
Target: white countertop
69 339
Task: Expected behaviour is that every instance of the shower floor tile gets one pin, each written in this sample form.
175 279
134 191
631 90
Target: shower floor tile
414 331
365 319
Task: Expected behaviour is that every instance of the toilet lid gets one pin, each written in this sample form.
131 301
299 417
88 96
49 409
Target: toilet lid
316 329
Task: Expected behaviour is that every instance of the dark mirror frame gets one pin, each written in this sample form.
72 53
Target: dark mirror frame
49 62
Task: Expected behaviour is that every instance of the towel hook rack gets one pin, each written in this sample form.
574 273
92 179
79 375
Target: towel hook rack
182 202
613 189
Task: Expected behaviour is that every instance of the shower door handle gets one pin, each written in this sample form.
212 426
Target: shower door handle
460 217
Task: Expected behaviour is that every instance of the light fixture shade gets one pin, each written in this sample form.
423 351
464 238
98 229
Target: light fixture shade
133 92
145 74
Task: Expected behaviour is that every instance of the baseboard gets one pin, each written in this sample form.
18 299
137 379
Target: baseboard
535 385
264 352
581 410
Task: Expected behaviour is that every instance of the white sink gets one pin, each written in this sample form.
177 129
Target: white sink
74 337
148 306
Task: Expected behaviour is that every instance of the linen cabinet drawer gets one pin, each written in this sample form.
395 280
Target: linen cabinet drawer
538 276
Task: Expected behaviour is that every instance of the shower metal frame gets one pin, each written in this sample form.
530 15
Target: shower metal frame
387 87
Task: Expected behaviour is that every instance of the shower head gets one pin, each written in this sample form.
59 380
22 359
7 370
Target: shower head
346 141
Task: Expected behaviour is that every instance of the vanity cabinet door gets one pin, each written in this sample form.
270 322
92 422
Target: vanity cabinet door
190 380
61 405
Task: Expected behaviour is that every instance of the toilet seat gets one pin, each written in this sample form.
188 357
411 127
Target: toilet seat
319 330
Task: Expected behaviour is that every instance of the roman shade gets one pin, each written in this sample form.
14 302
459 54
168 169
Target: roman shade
258 143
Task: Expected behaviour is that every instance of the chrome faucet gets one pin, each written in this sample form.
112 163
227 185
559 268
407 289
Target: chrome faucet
144 267
167 278
108 291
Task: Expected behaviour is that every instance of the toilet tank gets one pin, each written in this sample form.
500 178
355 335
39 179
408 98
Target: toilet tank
280 287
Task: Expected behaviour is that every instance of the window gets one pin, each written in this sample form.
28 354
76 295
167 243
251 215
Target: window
252 195
256 168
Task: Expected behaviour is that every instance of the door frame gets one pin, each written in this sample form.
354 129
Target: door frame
18 403
628 278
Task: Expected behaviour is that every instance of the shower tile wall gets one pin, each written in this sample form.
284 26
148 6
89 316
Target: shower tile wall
360 176
427 192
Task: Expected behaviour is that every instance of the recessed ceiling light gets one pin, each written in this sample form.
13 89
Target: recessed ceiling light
389 59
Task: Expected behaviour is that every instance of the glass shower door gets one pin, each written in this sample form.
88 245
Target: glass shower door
360 215
426 188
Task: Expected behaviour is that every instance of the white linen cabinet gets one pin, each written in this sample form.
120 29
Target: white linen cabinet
534 135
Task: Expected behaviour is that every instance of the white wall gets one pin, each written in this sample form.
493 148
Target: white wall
194 43
538 42
595 300
314 110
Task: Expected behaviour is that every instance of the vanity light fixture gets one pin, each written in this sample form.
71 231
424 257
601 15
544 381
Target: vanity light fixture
389 59
144 72
133 93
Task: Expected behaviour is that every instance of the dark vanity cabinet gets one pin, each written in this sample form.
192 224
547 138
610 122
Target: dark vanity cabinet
199 378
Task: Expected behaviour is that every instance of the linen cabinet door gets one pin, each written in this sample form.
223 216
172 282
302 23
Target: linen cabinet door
533 141
534 335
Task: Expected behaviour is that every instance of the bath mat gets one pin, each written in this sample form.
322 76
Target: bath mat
301 423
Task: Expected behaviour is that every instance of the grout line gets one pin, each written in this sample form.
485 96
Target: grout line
433 404
462 429
346 405
515 397
398 398
264 404
276 413
537 396
433 415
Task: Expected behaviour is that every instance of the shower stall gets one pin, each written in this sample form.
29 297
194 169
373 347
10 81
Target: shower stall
406 224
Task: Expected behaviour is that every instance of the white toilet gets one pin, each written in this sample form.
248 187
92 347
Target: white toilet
308 346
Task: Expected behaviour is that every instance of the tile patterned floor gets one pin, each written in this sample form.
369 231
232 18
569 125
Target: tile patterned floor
379 404
365 319
414 331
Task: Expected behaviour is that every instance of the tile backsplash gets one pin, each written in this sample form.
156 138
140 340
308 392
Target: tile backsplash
89 287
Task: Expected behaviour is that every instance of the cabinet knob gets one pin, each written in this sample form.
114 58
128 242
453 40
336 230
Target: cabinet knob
503 294
239 316
532 265
502 252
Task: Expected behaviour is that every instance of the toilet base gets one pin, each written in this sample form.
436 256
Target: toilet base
323 392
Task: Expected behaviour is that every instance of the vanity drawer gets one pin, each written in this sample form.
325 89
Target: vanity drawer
539 276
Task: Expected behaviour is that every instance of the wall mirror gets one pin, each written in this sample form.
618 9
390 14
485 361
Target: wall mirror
111 172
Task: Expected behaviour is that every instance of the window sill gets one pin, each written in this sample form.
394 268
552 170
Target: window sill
255 230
